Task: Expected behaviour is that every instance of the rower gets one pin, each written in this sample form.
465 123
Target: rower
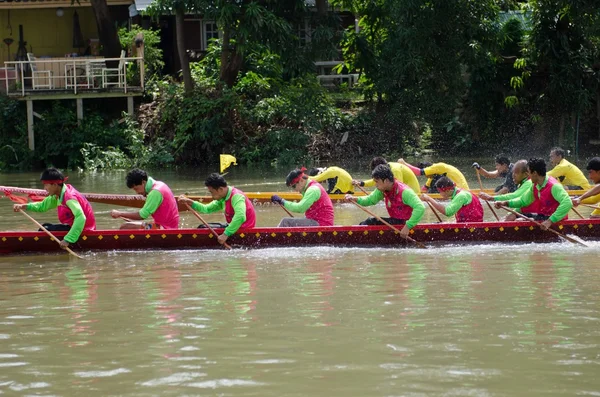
74 211
504 169
565 172
338 179
402 203
550 199
239 211
401 173
160 204
435 169
315 202
592 196
464 204
520 176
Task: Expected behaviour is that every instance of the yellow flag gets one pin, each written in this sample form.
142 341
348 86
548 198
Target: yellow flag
226 160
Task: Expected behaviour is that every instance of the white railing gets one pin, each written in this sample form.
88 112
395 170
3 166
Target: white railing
66 75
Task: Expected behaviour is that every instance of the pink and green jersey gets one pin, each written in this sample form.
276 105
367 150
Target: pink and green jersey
239 211
160 204
550 197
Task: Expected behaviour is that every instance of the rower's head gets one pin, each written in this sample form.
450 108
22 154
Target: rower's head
502 163
297 179
593 168
445 187
424 164
520 172
556 155
53 181
377 161
383 177
316 171
537 170
217 186
136 179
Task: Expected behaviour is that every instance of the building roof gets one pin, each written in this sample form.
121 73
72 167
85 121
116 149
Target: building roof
14 4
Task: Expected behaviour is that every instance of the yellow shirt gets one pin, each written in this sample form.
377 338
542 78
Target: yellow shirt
402 174
344 180
450 171
568 174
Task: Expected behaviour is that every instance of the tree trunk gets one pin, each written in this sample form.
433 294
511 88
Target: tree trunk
188 83
231 60
598 111
107 31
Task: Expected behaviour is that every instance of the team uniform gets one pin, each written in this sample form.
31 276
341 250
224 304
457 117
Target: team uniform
549 200
338 179
465 206
509 183
402 203
445 170
402 174
569 175
315 204
239 211
161 205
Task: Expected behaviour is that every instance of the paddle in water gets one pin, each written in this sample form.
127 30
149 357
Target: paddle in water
571 239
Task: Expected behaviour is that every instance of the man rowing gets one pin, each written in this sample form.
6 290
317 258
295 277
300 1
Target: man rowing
239 211
592 196
160 204
520 176
402 173
402 203
74 211
565 172
435 169
549 198
504 169
338 179
463 204
315 203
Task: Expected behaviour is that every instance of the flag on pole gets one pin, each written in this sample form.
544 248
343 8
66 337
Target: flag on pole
226 160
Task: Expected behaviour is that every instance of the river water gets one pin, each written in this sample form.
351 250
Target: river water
481 320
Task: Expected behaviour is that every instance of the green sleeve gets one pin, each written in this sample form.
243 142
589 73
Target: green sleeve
565 204
50 202
213 206
238 202
372 199
78 221
311 195
460 200
410 198
153 201
369 183
517 193
523 200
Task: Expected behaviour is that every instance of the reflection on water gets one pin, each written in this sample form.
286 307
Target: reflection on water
482 320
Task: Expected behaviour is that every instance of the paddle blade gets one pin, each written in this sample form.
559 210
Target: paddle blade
16 199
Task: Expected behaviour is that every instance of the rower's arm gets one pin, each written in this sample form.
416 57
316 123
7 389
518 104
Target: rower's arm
517 193
488 174
592 192
50 202
565 204
238 202
311 195
410 198
78 221
372 199
460 200
522 201
153 201
213 206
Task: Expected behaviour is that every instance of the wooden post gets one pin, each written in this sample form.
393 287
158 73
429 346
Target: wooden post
79 103
130 105
30 134
139 52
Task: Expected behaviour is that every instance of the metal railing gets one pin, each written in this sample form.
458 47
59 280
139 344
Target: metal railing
71 75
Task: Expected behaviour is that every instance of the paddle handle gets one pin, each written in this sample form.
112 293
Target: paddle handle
286 210
481 189
539 224
420 245
577 212
362 189
591 206
206 224
434 211
52 236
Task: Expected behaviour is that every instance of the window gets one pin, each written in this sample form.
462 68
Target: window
209 31
304 32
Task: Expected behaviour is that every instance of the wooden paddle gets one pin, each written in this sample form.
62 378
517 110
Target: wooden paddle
206 224
577 212
420 245
571 239
286 210
362 189
487 202
434 211
52 236
591 206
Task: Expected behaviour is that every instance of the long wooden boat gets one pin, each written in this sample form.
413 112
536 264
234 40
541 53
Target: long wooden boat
258 198
16 242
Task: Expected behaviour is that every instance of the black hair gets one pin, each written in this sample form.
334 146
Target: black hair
52 174
558 151
520 166
377 161
444 182
136 177
502 159
383 172
293 175
593 164
314 171
537 165
424 164
215 181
